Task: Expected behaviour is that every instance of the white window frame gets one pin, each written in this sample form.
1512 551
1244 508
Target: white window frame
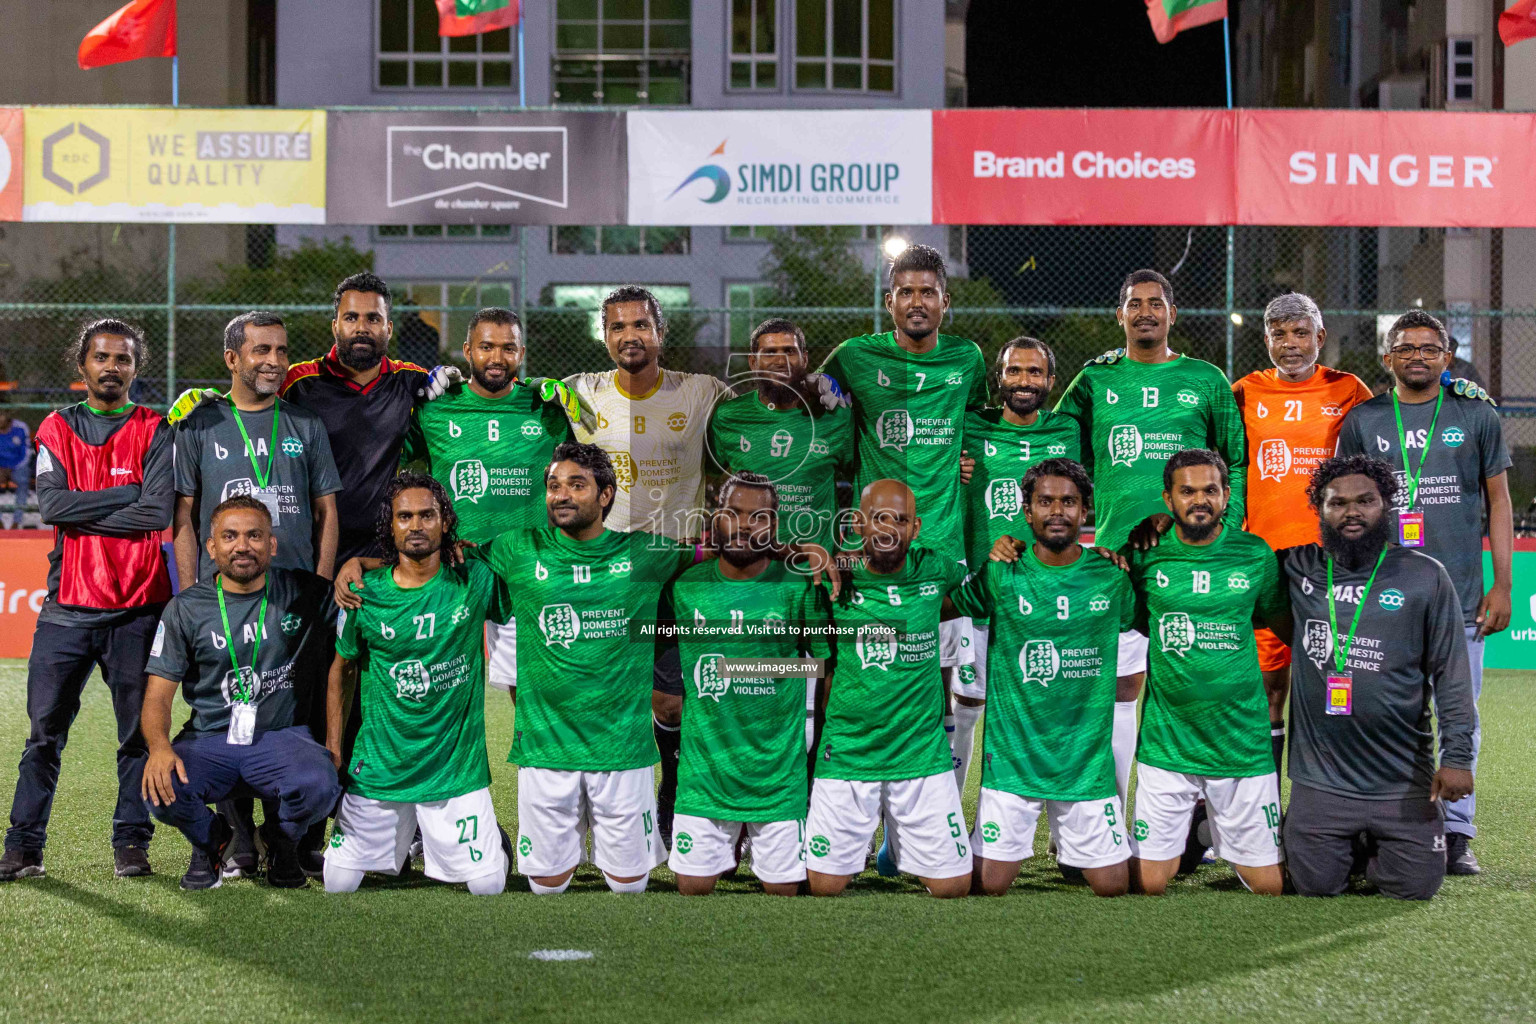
480 58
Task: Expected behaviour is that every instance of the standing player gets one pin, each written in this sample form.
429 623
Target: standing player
419 759
743 766
484 442
1135 409
1199 594
104 483
1291 417
1005 443
1453 460
1057 615
883 752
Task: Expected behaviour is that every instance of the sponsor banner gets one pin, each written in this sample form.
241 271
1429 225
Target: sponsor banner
450 167
164 165
780 167
23 587
1515 647
1369 168
1083 167
12 162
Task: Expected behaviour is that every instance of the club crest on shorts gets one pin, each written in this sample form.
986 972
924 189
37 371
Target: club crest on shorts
1176 633
1124 444
248 677
1004 499
876 647
560 625
470 480
412 680
707 678
1039 661
1317 641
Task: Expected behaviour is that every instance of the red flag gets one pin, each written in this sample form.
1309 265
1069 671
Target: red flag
142 28
1517 23
471 17
1170 17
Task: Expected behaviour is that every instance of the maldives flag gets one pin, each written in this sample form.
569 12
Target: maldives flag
143 28
471 17
1517 23
1170 17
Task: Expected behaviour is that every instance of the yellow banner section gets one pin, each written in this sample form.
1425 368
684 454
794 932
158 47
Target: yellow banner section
167 165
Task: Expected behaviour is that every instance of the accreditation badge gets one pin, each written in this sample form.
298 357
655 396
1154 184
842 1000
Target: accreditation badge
1341 694
242 724
1410 529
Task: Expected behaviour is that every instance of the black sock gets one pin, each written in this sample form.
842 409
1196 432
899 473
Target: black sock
1277 743
669 742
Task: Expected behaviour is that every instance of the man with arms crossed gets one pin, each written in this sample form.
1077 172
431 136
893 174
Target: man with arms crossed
104 483
1056 617
419 759
1379 641
244 647
883 753
1291 416
743 765
1135 408
1205 731
1449 448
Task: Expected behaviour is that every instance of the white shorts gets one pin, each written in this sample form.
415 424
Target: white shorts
459 837
707 846
1244 815
972 681
954 642
925 825
556 808
1089 833
501 654
1133 653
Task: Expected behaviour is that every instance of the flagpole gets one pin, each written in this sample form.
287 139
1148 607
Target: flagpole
170 265
522 230
1226 39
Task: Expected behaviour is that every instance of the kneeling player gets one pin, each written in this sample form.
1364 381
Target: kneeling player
743 765
884 752
1056 616
1205 732
419 759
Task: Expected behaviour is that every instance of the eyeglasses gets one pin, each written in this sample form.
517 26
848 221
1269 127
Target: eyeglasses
1427 351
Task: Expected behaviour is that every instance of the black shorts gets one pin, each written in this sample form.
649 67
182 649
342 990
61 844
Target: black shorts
1407 834
667 676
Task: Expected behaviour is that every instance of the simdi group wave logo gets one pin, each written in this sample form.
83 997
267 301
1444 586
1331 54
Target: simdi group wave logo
772 183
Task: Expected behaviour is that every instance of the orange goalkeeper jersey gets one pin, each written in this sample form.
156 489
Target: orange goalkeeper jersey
1290 429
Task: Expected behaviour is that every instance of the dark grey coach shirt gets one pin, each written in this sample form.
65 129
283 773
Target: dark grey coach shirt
1410 650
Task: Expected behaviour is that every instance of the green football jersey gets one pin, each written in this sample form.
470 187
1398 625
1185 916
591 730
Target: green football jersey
885 708
489 454
1134 417
907 415
1051 662
803 453
994 502
743 742
583 673
1206 712
422 673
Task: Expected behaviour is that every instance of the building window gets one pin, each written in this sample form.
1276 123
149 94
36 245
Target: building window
395 232
411 55
432 317
622 51
749 305
672 297
612 240
845 45
1461 72
754 44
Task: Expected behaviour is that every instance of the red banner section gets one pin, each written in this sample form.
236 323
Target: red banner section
23 585
1083 167
1363 168
1368 168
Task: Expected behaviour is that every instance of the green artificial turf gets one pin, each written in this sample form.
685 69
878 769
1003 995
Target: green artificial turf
83 946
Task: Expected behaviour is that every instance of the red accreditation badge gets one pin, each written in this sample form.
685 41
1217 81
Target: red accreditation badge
1341 693
1410 529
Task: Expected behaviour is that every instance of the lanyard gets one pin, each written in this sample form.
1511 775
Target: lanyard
262 477
242 691
1341 657
1414 475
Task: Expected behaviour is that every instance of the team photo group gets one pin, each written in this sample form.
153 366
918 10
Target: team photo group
1122 596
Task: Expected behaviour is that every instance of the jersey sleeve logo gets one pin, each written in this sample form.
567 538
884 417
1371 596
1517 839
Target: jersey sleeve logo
876 647
1004 499
1176 633
470 480
1039 661
1189 398
1391 599
560 625
1274 458
292 447
1099 603
1124 444
292 624
159 644
678 421
707 678
895 429
532 429
1453 437
1317 641
248 678
412 681
1238 581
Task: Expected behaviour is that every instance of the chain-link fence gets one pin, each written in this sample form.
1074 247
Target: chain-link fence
1056 283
